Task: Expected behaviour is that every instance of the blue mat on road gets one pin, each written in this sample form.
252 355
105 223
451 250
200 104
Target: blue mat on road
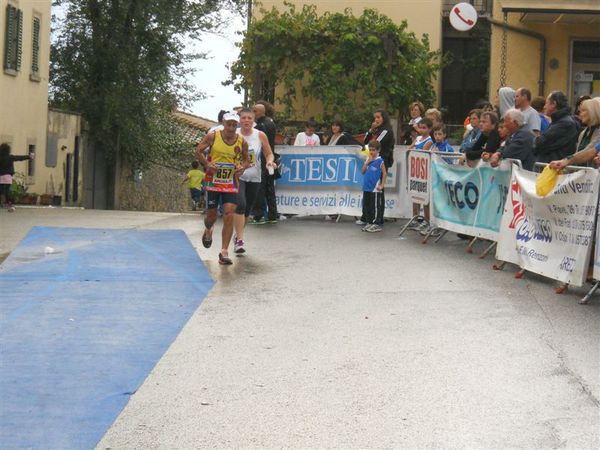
85 314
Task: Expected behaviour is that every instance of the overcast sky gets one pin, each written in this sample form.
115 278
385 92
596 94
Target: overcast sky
213 71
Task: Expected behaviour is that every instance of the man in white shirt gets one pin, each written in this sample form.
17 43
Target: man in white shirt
533 123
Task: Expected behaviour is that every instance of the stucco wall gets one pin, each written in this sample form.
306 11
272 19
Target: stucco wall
66 127
523 53
23 102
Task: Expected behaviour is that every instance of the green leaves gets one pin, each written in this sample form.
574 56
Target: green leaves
350 64
123 65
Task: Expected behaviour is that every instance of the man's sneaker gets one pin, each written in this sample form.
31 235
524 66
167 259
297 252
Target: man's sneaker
260 221
374 228
238 246
366 227
271 221
360 222
206 239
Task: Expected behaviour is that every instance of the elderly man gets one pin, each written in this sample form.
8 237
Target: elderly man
519 143
532 118
560 138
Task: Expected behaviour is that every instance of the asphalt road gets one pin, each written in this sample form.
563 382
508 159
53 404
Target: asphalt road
326 337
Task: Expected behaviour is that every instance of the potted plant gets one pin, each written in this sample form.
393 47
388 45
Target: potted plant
46 199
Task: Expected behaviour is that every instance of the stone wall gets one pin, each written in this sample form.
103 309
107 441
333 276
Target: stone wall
157 188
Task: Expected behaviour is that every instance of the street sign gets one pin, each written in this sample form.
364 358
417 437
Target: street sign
463 16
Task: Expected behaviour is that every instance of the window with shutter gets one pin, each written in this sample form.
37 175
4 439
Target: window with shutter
13 46
35 50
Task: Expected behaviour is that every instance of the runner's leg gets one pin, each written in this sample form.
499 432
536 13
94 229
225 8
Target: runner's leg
228 213
239 219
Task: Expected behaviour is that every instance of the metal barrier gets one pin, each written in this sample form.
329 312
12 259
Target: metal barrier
417 199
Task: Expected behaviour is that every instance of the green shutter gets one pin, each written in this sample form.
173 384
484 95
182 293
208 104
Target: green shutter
19 38
35 53
13 48
8 37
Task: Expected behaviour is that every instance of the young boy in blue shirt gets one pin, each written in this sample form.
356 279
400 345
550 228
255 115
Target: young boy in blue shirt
375 173
440 143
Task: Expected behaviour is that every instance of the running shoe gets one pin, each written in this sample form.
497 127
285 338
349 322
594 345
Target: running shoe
374 228
225 260
238 246
360 222
366 227
260 221
206 239
271 221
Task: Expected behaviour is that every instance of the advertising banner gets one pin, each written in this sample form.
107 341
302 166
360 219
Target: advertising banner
419 181
469 200
327 180
597 249
551 235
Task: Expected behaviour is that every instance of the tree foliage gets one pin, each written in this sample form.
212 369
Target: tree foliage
122 63
352 65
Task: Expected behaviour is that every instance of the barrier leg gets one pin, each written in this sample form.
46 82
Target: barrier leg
488 250
562 288
470 246
337 219
585 300
442 234
520 274
414 219
499 266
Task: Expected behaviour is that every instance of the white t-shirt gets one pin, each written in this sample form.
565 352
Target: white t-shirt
532 120
252 173
302 140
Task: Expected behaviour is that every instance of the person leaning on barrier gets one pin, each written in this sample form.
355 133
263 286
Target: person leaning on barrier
589 138
519 143
560 137
489 140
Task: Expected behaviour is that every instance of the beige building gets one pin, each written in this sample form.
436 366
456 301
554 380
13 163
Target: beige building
550 45
25 46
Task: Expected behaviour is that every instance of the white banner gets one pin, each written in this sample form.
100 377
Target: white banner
419 181
327 180
551 235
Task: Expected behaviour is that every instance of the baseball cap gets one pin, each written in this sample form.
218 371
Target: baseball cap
231 116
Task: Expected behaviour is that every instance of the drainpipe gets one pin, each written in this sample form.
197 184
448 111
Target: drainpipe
535 35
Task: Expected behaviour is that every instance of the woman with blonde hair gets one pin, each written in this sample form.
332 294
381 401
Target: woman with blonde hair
589 138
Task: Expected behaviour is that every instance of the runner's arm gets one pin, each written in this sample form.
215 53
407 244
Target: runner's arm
206 142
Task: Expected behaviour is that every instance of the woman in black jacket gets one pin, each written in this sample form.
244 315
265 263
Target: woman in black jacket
488 141
7 170
339 136
381 130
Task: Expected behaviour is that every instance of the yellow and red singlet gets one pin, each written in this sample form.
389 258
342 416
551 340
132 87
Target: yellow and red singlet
225 157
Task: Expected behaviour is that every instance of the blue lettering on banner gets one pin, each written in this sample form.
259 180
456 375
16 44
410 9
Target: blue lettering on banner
320 170
469 197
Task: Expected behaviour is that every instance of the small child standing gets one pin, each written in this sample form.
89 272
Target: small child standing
194 178
375 174
441 142
423 141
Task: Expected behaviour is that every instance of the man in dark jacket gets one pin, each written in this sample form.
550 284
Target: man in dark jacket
560 138
519 144
266 191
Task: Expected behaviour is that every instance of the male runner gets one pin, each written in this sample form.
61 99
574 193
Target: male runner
226 161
